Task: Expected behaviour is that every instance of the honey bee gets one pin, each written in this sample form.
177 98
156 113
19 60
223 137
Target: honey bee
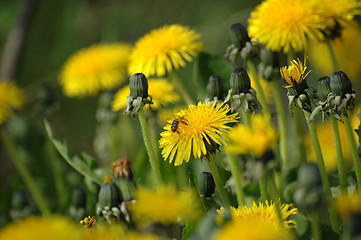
175 124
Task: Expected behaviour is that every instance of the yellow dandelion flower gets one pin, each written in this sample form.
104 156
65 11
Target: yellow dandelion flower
341 11
11 98
253 229
164 49
193 130
89 222
55 228
165 205
347 51
296 73
257 139
95 68
263 212
162 92
284 24
347 204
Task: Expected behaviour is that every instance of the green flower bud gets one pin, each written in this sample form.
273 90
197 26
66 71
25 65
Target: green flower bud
239 35
109 196
340 84
206 184
240 82
323 88
269 58
138 86
79 198
309 176
215 87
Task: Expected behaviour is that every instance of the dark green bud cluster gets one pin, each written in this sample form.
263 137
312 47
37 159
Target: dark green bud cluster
206 184
239 35
268 67
20 206
138 95
336 96
109 200
241 93
78 209
215 89
309 194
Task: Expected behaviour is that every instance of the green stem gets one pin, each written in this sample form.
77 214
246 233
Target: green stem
218 181
298 120
179 86
261 96
332 55
339 157
245 116
281 117
322 168
20 166
263 187
274 197
153 158
279 184
237 174
316 230
182 175
353 148
58 176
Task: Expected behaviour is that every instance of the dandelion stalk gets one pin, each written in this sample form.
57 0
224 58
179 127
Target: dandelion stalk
332 54
237 174
281 122
315 226
260 92
353 148
218 181
20 166
153 158
274 196
263 187
298 121
322 168
339 157
179 86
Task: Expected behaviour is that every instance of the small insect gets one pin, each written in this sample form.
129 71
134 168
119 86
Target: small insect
175 124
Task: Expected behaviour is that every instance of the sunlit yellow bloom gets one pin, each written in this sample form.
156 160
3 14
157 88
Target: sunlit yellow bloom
11 98
263 212
162 92
95 68
253 229
282 24
295 73
341 11
347 51
165 205
54 228
89 222
348 204
198 128
257 139
325 136
163 50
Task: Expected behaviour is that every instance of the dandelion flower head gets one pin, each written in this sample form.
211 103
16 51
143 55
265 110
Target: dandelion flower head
165 205
164 49
263 212
198 128
55 228
296 73
282 24
162 92
257 139
11 98
95 68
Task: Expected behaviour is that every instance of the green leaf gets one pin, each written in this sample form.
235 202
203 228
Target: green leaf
84 163
188 230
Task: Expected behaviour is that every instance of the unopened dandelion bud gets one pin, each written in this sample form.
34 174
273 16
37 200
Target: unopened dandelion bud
340 84
323 88
309 176
109 196
215 88
239 35
206 184
240 81
124 177
138 86
268 58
